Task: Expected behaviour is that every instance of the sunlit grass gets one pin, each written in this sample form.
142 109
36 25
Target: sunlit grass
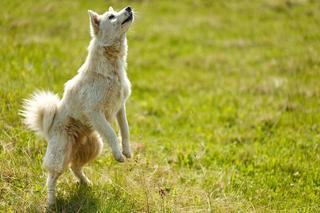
224 113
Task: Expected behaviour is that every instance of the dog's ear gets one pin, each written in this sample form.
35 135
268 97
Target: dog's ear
94 22
110 9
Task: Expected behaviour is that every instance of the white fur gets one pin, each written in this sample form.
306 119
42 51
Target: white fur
75 125
39 111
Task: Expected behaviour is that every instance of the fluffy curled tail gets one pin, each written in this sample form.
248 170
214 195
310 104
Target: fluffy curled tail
39 111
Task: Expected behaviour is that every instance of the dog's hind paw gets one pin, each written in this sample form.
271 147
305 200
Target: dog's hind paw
85 182
51 201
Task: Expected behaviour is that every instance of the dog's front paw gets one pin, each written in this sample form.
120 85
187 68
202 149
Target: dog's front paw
119 157
127 153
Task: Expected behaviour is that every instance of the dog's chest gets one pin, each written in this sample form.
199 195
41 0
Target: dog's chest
116 62
117 89
116 93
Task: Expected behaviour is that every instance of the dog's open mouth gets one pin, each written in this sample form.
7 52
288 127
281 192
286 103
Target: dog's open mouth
128 19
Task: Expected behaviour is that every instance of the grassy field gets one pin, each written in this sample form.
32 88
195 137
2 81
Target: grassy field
224 114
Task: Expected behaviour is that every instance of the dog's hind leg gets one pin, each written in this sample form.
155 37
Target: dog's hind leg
124 130
77 171
51 183
85 150
56 161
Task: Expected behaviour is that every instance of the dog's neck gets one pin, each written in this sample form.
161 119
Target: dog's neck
112 55
115 51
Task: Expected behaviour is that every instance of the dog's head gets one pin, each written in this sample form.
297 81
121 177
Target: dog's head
111 25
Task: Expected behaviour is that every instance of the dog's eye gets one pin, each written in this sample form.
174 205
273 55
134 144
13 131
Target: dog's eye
111 17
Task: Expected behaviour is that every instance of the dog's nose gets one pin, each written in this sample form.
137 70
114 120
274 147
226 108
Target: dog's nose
128 9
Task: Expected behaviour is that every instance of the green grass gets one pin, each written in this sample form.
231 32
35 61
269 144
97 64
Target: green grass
224 114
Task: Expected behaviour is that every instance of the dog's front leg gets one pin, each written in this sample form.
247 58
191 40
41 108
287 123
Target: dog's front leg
124 130
102 126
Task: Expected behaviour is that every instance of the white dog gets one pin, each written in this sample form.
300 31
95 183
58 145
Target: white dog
91 100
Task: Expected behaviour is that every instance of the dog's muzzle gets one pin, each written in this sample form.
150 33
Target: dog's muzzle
130 17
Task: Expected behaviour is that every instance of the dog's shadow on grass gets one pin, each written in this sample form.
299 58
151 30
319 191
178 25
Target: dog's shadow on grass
80 199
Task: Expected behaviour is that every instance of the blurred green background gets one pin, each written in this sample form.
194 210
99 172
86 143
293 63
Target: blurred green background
224 113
